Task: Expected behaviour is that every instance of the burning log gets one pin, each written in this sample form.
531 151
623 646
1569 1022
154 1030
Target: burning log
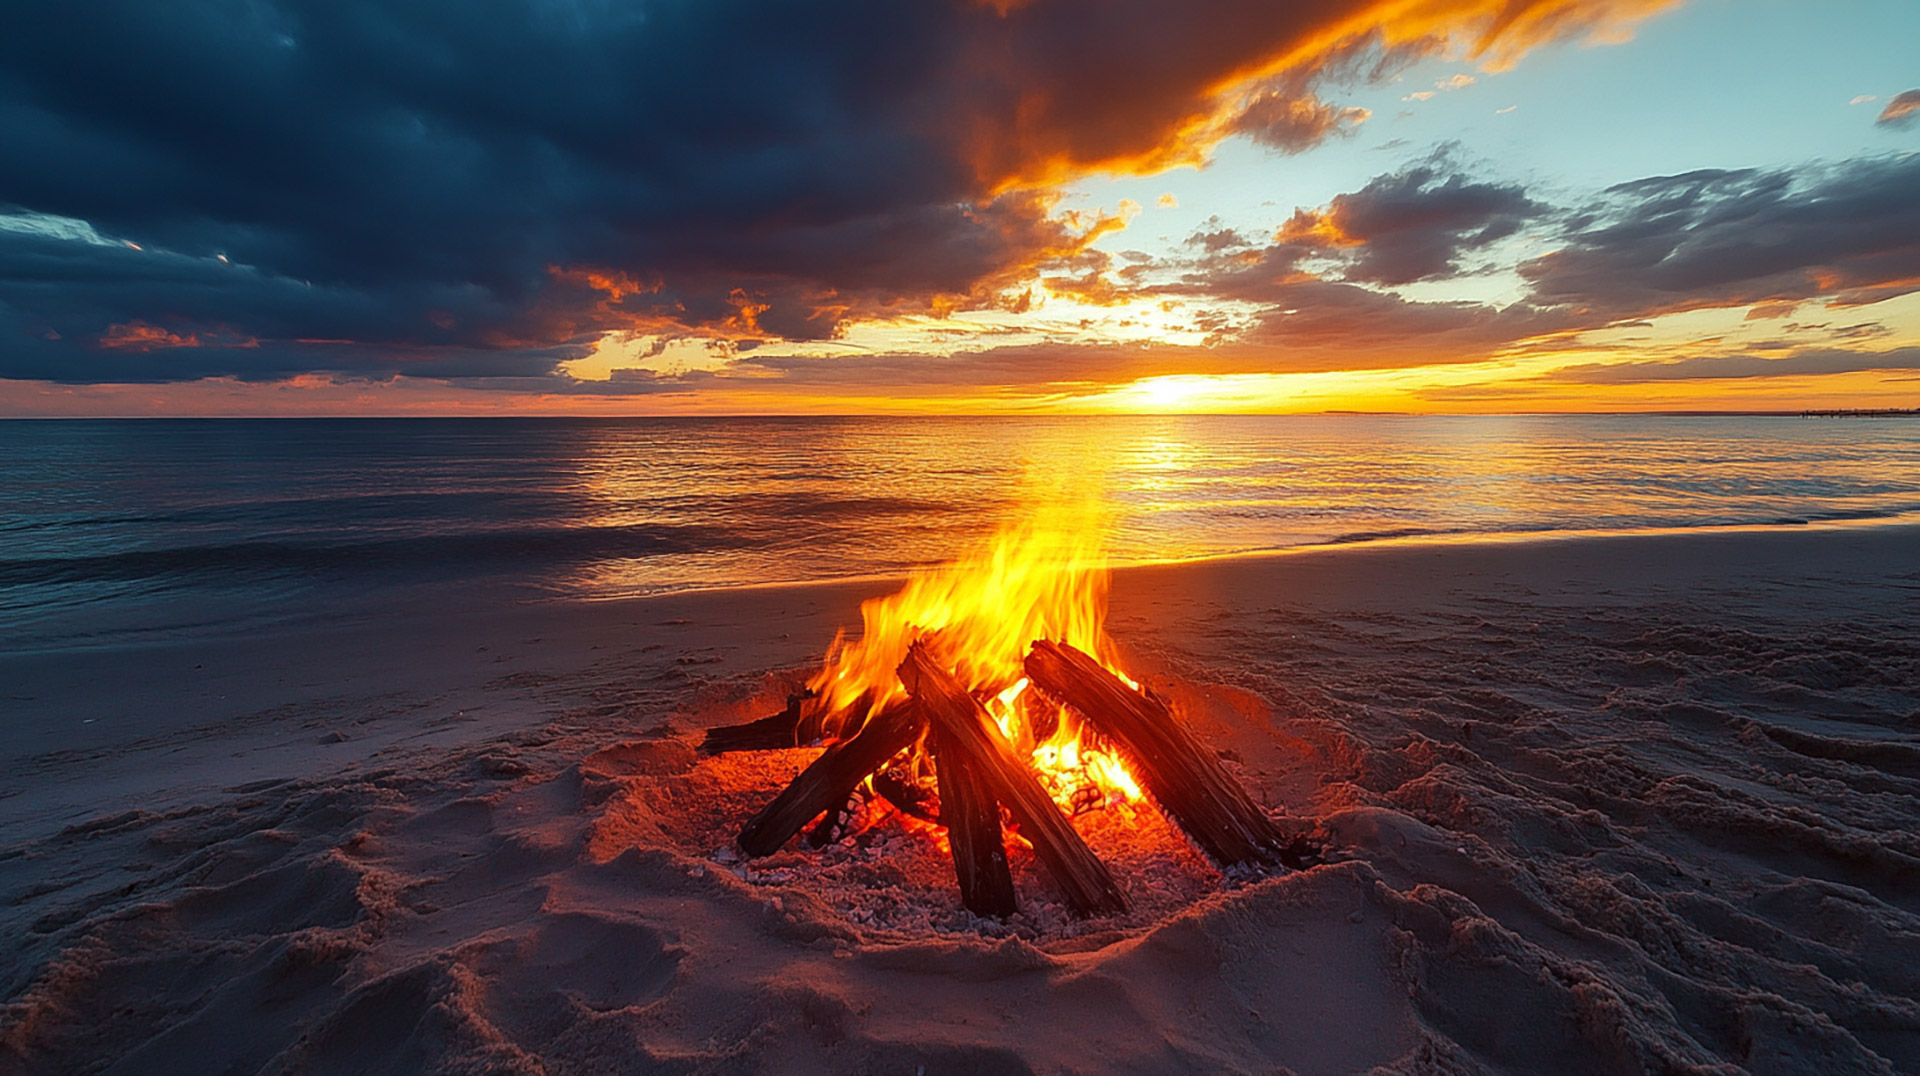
973 832
790 727
961 725
826 785
838 822
1184 778
890 783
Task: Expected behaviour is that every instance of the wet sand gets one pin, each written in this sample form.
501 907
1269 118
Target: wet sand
1620 804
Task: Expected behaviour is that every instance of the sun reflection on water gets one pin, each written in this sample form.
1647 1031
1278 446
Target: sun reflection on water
725 502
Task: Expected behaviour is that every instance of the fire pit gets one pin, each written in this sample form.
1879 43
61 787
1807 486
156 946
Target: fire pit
991 686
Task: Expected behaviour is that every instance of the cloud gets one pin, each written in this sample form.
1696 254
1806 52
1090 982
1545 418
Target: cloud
1411 225
1214 236
1317 297
82 311
1902 111
1293 124
1454 82
1296 320
1027 368
431 181
1311 324
1847 233
1812 362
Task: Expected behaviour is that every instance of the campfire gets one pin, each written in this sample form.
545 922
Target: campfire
991 688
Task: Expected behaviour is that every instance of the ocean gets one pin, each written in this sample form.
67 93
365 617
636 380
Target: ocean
115 530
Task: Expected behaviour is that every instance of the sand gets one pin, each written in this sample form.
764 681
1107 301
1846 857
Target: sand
1608 804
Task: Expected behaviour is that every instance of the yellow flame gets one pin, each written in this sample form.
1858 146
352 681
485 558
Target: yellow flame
1042 577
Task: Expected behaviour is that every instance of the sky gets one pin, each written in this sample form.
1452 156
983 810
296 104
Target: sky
270 207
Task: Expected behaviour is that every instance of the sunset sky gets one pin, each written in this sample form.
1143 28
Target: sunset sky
623 207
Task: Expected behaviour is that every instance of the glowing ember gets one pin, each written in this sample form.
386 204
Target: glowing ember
1042 578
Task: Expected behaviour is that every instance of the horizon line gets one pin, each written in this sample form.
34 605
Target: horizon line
1811 412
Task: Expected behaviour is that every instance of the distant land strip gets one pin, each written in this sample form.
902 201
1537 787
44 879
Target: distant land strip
1864 412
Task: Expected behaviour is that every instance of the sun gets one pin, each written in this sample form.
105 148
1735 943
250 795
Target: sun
1171 392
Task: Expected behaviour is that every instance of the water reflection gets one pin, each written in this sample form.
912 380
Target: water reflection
820 498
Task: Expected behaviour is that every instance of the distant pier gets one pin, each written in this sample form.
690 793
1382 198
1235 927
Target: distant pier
1865 412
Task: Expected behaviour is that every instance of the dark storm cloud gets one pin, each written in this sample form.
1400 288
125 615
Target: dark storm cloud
205 317
467 176
425 161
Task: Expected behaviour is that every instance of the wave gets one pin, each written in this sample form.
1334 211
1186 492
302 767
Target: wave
1353 537
454 553
1647 523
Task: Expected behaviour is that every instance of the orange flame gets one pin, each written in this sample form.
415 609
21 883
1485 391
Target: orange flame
1043 577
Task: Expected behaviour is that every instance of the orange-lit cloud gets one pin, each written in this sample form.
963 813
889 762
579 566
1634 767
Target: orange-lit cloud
1901 111
139 336
1052 99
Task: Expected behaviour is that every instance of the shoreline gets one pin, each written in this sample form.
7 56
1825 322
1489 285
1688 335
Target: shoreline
1449 539
499 592
271 688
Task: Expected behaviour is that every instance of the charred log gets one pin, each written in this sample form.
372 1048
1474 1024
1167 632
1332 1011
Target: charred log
963 725
1184 778
838 822
792 727
973 832
906 796
827 784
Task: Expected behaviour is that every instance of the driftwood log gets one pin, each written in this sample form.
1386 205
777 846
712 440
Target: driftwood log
1184 778
973 831
826 785
962 724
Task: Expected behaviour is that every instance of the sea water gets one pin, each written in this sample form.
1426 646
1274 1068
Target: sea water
119 529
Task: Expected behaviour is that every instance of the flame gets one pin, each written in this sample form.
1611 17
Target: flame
1042 577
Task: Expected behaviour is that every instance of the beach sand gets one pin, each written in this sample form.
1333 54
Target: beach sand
1607 804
